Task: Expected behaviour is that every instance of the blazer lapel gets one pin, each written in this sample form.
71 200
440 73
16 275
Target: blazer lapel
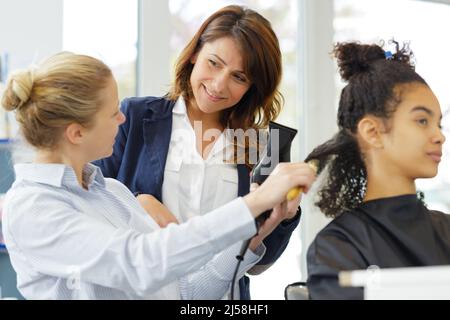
157 130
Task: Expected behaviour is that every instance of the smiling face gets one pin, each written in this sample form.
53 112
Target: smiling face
218 80
413 145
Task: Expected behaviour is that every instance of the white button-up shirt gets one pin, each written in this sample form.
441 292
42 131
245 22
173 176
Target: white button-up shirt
194 186
66 242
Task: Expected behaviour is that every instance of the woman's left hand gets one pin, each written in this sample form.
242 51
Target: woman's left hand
283 211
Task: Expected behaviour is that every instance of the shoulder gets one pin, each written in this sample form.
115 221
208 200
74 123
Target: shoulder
440 220
28 193
123 195
119 190
343 231
142 107
343 224
28 202
136 102
440 215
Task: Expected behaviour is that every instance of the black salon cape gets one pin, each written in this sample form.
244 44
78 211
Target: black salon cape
389 233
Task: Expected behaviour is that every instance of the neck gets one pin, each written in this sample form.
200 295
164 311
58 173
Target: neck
57 156
384 184
209 129
208 120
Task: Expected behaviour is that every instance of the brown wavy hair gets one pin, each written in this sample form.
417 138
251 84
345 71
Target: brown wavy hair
262 64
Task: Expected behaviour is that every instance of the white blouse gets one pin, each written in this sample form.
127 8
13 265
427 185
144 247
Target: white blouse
194 186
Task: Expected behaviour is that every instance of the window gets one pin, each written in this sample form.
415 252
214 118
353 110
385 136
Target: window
108 30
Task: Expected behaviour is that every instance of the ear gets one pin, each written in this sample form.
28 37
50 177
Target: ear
194 57
370 130
74 133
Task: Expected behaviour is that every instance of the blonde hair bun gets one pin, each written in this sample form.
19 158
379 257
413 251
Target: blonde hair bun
18 91
63 89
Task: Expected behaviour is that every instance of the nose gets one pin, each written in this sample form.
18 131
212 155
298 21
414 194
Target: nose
219 83
440 137
443 137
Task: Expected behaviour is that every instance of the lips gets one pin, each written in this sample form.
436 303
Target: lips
436 156
211 96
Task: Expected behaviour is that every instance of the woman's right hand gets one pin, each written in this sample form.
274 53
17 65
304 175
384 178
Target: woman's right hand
156 210
273 191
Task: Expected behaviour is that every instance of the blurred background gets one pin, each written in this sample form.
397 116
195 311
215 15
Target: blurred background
140 40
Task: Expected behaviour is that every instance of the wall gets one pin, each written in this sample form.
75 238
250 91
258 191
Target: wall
317 92
154 48
29 31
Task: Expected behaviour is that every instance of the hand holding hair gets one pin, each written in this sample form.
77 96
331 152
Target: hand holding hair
294 192
273 191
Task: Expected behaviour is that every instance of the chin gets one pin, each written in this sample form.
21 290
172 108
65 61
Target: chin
106 154
206 109
434 174
428 174
109 154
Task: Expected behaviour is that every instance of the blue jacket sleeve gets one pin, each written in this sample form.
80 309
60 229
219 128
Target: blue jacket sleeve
110 166
278 240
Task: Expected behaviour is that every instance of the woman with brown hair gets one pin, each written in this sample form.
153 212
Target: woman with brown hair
176 152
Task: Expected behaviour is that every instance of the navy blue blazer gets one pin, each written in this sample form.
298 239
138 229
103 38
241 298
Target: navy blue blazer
139 158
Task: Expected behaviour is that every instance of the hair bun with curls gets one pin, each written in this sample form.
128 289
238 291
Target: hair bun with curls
18 91
354 58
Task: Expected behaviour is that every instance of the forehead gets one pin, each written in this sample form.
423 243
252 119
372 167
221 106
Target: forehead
417 94
226 48
108 94
110 89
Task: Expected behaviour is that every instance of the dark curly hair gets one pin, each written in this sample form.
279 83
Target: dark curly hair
372 74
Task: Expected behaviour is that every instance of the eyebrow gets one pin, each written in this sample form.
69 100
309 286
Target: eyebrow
424 109
223 62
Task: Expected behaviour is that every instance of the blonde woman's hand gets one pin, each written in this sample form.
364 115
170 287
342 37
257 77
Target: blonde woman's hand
156 210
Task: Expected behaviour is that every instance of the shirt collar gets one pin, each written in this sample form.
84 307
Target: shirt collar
92 173
224 145
180 106
56 174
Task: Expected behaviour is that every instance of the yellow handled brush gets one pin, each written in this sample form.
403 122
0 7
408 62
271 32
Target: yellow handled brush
294 192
